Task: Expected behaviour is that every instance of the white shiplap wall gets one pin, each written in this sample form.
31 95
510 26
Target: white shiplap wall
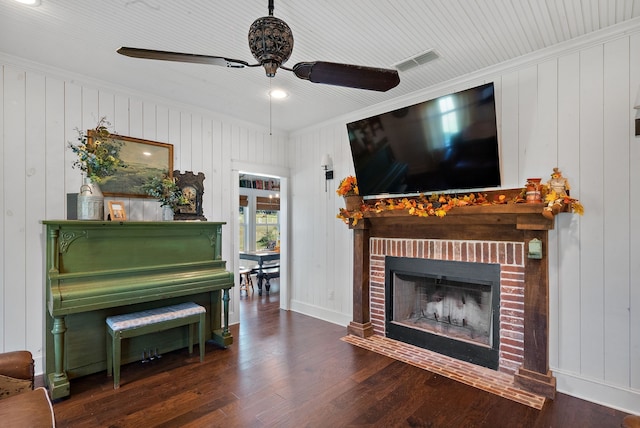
570 108
39 112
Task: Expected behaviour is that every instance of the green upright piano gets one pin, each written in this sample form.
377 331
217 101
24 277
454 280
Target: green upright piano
96 269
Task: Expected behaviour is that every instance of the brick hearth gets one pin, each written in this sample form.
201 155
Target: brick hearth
470 374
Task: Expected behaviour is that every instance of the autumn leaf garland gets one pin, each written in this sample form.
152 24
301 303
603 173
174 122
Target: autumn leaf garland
421 206
437 205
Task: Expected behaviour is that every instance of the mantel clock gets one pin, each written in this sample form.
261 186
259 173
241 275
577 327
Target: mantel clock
192 188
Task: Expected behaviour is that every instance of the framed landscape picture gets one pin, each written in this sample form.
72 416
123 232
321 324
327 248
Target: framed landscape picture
143 160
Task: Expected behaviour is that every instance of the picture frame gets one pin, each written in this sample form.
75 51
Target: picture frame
143 160
117 211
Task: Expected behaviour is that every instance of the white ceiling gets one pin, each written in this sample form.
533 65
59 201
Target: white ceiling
82 36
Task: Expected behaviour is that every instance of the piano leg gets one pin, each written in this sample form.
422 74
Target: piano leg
225 302
58 381
221 334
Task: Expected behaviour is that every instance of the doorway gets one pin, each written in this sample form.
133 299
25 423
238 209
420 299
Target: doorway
259 236
260 223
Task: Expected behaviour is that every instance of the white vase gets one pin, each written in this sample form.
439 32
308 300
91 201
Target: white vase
167 213
90 201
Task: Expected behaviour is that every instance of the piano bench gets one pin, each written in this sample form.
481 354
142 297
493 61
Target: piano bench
151 321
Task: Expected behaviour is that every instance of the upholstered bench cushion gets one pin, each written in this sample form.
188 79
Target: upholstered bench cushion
29 409
153 316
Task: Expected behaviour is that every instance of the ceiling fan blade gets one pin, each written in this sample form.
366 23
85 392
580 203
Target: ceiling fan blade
350 76
183 57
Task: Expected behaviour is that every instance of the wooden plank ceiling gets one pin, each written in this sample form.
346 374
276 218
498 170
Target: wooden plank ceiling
82 37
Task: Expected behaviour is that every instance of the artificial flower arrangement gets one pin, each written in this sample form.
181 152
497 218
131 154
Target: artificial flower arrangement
348 187
98 154
166 191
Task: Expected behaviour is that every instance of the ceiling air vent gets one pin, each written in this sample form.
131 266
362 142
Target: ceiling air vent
416 60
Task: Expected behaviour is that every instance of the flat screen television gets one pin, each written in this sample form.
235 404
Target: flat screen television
444 145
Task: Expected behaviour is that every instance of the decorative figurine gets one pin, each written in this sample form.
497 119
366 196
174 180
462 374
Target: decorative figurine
559 184
533 194
557 194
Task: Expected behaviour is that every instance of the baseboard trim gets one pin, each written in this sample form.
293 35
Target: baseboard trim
619 398
38 367
320 313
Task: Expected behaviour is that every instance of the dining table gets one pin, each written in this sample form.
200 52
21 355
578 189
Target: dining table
264 258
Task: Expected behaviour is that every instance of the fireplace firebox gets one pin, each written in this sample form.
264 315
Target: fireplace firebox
450 307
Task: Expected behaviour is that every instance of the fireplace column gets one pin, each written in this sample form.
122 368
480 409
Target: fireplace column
361 324
534 374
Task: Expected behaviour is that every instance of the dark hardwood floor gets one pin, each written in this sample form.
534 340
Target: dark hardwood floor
290 370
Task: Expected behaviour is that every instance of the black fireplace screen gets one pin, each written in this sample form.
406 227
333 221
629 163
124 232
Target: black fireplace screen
445 306
455 309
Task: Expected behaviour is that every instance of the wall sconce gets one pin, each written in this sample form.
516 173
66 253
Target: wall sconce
327 166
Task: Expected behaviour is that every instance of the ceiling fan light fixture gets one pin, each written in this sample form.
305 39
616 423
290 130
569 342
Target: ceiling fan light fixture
270 42
278 94
34 3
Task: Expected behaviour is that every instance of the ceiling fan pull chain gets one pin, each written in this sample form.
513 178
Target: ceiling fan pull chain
270 113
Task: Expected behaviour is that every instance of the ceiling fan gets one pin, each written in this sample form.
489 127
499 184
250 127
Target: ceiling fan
271 43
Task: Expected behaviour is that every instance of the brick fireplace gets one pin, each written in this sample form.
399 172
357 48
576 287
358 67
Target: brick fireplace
508 255
497 234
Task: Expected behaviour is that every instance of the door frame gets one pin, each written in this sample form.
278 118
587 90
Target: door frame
282 174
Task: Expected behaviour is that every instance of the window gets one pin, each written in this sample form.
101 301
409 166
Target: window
259 214
267 229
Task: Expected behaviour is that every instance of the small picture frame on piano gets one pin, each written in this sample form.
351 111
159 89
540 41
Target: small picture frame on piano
117 212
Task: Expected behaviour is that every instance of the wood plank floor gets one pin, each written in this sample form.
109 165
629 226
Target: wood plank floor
290 370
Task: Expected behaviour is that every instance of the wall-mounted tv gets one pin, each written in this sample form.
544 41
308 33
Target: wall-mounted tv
447 144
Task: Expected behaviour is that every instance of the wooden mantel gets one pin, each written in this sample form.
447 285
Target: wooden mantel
504 222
